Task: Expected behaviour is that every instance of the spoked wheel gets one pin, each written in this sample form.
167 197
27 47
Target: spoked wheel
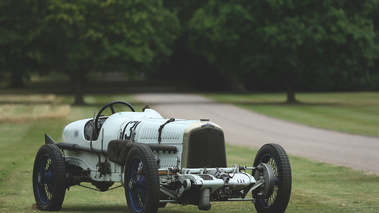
49 178
276 200
141 180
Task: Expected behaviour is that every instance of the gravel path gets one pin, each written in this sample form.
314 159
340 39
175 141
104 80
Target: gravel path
246 128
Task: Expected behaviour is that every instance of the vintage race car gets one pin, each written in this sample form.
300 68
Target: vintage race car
157 161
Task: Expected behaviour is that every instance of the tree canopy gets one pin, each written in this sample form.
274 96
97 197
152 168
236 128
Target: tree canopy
78 37
287 44
293 41
19 24
129 36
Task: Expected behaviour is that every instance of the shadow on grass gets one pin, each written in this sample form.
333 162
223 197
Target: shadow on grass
95 208
282 103
93 87
103 88
105 208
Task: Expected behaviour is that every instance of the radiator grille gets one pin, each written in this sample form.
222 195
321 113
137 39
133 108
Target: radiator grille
206 148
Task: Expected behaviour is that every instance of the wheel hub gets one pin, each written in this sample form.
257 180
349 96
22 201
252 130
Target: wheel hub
265 172
131 184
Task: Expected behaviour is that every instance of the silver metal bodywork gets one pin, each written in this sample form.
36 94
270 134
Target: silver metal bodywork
221 184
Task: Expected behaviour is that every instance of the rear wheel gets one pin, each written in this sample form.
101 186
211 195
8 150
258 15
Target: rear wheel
141 180
276 200
49 178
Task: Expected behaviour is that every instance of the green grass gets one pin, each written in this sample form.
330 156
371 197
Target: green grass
317 187
356 113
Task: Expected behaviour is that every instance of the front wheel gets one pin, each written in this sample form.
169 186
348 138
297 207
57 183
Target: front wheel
141 180
277 200
49 178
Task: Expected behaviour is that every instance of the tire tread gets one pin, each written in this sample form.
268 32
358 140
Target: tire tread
151 169
60 181
285 183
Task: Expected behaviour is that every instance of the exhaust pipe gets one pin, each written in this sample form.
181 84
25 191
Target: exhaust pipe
205 197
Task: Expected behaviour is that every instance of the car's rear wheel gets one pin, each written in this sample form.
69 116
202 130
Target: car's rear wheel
276 200
49 178
141 180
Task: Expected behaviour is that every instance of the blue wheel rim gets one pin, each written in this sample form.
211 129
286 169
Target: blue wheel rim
45 179
269 159
137 186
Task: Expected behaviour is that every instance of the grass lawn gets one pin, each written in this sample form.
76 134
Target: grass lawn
356 113
317 187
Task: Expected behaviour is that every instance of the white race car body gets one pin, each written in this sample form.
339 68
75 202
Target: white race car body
139 127
158 161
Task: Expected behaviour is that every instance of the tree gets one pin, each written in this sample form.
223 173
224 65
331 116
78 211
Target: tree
328 42
374 74
105 35
193 69
19 53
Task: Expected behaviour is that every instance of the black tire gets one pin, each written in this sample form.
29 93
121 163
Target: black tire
49 178
163 197
141 180
162 205
277 201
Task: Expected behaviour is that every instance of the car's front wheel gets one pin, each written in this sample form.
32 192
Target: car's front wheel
49 178
141 180
276 200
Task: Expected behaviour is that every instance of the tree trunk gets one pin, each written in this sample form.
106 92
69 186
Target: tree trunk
78 80
234 84
16 80
291 99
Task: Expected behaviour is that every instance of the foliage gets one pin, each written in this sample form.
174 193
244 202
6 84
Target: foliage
78 37
317 42
373 77
129 36
311 45
19 53
193 68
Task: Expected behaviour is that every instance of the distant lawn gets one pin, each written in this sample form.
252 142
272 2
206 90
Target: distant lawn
317 187
356 113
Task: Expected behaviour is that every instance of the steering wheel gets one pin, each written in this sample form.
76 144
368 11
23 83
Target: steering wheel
97 129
